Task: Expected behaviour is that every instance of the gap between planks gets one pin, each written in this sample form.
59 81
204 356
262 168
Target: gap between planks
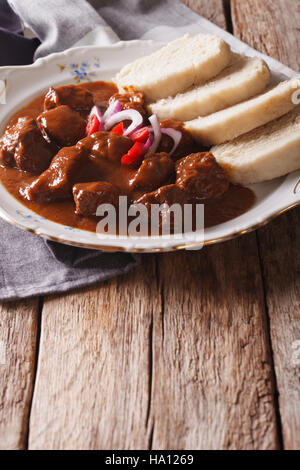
35 365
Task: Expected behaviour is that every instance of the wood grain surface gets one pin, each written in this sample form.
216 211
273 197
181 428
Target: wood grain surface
212 381
93 382
18 338
192 350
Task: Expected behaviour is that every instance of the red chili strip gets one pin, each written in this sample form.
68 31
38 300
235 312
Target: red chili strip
140 135
134 155
118 129
93 125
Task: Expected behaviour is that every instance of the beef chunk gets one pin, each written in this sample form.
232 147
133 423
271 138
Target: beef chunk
156 169
165 196
57 181
62 126
77 97
106 146
170 194
23 146
88 196
186 145
201 177
131 99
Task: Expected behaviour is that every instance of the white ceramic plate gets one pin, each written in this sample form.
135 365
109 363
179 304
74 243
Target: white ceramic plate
102 63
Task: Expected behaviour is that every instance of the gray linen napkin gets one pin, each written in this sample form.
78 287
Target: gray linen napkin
28 265
59 24
29 268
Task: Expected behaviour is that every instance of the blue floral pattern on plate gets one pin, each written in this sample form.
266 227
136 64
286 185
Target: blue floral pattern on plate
38 218
82 72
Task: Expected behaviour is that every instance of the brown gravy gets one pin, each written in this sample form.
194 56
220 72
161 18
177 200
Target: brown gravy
236 201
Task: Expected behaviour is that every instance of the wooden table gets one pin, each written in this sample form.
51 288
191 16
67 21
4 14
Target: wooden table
192 350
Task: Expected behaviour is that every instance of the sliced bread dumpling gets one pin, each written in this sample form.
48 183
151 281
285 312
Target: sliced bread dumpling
265 153
244 78
232 122
177 66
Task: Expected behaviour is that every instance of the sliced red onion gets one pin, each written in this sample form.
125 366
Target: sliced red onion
157 132
174 134
114 107
131 114
148 143
97 112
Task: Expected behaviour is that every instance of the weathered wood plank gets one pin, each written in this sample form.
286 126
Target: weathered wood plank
93 382
269 26
279 247
212 10
278 25
18 331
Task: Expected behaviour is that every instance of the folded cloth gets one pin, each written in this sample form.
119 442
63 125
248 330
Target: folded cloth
24 49
8 19
53 21
14 49
28 268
